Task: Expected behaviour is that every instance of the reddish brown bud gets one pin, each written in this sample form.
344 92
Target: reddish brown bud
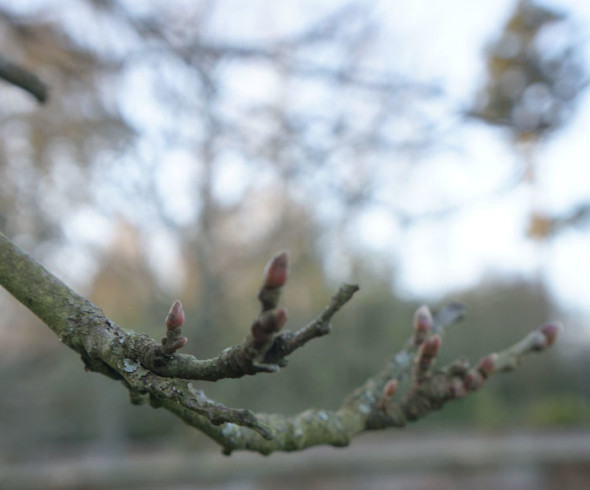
487 364
538 341
276 271
178 343
423 319
258 331
280 318
269 323
430 347
427 352
390 388
175 316
550 331
388 391
471 380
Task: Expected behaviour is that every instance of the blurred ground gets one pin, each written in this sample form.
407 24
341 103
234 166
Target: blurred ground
422 460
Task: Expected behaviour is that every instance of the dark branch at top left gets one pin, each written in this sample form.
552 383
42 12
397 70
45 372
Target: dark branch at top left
23 78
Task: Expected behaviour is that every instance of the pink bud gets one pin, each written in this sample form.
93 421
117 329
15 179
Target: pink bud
258 331
175 316
276 271
423 319
390 388
471 381
280 318
269 323
539 341
273 321
431 346
550 331
179 343
487 364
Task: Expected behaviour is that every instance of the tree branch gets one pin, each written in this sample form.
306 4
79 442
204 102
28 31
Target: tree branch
19 76
154 372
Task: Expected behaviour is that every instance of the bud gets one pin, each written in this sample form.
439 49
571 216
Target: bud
280 318
423 319
388 391
471 381
550 331
427 352
258 331
269 323
273 321
487 364
178 343
276 271
175 316
457 389
539 341
390 388
430 347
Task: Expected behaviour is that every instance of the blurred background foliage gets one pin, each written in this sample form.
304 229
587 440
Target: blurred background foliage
179 150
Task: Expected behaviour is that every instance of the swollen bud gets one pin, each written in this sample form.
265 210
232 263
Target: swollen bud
276 271
269 323
390 388
387 394
427 352
472 380
175 316
538 341
430 347
487 364
280 318
178 343
423 319
550 331
422 324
